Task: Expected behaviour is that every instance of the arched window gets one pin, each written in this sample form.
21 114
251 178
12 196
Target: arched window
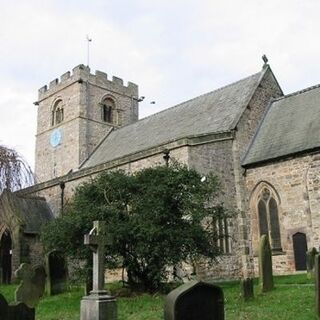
57 113
108 110
268 217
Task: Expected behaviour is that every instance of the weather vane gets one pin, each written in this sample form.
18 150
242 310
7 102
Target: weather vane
88 49
265 60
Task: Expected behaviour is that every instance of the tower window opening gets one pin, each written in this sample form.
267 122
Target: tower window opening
107 110
57 113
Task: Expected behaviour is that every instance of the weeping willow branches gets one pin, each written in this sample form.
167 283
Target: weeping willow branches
15 173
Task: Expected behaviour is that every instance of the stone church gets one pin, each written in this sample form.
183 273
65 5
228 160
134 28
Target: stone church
263 145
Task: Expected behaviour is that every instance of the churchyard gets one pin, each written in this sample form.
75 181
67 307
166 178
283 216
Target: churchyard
44 291
268 297
293 298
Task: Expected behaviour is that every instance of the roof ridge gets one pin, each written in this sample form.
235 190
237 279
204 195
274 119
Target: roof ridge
202 95
181 103
295 93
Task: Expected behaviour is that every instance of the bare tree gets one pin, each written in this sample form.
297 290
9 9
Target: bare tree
15 173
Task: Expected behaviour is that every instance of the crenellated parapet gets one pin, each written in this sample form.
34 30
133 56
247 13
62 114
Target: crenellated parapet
81 74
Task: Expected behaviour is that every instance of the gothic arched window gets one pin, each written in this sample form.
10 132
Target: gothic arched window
57 113
269 218
108 110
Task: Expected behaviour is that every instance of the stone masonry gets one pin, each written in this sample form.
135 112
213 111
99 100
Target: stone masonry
294 181
297 184
82 128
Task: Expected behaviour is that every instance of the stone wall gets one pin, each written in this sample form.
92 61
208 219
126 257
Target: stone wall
296 183
34 250
82 128
221 156
224 159
267 90
53 192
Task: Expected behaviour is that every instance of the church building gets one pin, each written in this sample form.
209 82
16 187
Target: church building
263 146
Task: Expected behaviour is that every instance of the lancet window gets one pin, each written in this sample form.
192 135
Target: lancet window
268 216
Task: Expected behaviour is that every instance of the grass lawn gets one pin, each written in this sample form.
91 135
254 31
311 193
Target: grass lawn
293 298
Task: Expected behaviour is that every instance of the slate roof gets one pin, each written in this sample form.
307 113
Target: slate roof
291 125
33 212
214 112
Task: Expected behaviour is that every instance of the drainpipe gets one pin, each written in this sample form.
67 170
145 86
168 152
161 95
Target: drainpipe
62 186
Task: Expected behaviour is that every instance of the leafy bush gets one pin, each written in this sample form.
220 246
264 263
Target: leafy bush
157 217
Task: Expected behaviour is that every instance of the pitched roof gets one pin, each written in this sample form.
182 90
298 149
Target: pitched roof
214 112
291 125
32 212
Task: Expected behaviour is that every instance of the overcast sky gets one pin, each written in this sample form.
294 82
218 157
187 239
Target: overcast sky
173 49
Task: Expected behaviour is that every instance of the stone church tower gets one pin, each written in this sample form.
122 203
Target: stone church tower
75 114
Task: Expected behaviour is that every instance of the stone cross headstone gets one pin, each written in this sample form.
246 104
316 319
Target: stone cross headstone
194 301
96 240
98 305
32 285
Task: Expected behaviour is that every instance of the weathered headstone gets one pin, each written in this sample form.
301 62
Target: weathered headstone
194 301
246 287
19 311
3 308
15 311
57 272
317 283
310 262
32 285
98 305
265 265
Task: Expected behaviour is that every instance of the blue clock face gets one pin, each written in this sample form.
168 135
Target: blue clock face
55 138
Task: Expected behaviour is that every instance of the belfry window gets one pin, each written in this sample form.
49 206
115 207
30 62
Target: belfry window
57 113
269 218
108 110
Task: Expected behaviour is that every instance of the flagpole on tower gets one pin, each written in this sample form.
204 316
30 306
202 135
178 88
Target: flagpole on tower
88 49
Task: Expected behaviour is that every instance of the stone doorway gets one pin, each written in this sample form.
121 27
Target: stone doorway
300 250
6 257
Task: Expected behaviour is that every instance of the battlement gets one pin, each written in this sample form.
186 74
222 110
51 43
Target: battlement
80 74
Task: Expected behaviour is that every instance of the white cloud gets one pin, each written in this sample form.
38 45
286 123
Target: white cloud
173 49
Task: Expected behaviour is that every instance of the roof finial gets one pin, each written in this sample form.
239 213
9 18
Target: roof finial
265 60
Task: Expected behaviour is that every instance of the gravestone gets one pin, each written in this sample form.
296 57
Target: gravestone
265 265
32 285
317 283
57 272
15 311
246 287
98 305
194 301
310 262
3 307
19 311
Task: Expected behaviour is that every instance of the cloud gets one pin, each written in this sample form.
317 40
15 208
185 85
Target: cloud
18 121
174 50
